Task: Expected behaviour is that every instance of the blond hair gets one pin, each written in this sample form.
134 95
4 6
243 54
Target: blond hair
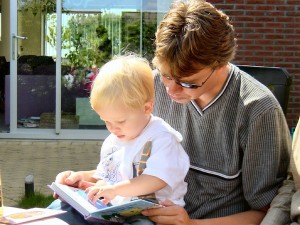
194 35
125 79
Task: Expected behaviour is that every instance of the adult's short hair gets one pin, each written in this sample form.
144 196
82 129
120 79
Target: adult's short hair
193 35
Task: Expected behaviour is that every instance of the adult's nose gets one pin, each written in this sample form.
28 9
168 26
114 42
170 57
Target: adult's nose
172 87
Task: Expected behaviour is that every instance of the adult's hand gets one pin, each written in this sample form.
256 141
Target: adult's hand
170 214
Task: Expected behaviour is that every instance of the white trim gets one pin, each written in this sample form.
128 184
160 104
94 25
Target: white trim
216 173
222 91
200 111
197 107
13 65
49 134
58 68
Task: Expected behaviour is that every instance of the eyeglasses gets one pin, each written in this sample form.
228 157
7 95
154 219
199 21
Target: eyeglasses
188 85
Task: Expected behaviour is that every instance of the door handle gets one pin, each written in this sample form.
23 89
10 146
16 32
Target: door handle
13 44
20 37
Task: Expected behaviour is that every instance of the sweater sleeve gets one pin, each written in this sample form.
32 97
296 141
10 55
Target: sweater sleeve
266 157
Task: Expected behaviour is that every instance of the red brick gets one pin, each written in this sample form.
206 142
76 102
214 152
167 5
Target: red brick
245 7
265 19
285 19
217 1
276 14
255 13
268 33
225 7
266 7
275 2
283 42
293 14
245 19
245 41
276 25
278 53
274 48
284 8
264 42
293 2
255 1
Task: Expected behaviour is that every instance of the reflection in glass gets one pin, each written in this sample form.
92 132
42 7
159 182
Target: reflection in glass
92 33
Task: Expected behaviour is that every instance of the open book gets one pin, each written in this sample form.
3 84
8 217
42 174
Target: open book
26 215
106 214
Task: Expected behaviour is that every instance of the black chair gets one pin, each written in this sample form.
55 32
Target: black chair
277 79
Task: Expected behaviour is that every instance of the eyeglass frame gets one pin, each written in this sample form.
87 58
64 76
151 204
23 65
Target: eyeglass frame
188 85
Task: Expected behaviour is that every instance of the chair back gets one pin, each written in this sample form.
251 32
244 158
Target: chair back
277 79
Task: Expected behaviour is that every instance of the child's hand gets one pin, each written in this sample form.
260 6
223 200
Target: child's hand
69 178
85 184
101 183
107 192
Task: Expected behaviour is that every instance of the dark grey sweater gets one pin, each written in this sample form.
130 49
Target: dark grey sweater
238 146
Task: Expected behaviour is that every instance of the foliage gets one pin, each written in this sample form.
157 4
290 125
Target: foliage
105 45
37 200
131 33
51 37
111 21
85 38
149 30
88 44
92 39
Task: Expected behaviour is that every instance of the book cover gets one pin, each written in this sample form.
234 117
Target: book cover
27 215
107 214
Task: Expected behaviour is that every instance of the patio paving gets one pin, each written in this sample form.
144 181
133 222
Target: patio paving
43 159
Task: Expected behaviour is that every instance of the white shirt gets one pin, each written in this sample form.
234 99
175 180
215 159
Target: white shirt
168 160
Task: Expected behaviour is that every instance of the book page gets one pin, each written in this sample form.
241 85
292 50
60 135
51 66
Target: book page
29 215
77 198
127 209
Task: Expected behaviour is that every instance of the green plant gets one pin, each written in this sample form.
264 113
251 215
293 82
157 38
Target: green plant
84 37
37 200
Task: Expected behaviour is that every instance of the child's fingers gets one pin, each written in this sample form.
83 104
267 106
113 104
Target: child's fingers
91 192
105 201
85 184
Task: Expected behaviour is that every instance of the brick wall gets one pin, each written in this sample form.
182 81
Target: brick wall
268 33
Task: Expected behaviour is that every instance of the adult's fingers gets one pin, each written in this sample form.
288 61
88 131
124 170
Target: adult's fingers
170 214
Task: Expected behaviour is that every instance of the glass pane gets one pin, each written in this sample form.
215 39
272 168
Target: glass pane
83 36
4 64
92 32
36 70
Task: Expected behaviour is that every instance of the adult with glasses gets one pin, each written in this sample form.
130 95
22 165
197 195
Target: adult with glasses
233 128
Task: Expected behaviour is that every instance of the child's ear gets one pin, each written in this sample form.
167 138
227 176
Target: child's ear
148 107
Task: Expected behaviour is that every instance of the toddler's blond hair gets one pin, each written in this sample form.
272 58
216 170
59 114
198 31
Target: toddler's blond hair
127 79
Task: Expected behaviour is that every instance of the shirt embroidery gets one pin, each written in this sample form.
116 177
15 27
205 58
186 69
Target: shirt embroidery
110 167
